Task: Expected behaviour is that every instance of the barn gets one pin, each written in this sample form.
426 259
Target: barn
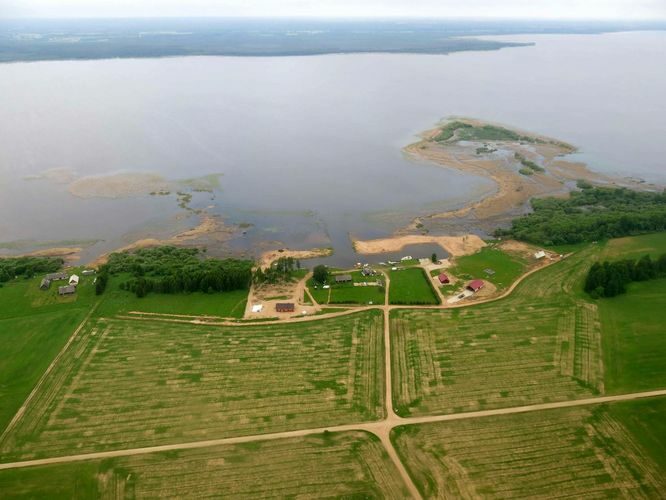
444 279
285 307
475 285
343 278
66 290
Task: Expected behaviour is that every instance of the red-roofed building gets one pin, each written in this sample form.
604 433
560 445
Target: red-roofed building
444 279
475 285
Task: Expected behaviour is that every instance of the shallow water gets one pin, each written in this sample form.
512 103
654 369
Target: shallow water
310 147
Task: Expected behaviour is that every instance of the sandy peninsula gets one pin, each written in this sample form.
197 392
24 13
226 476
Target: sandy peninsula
521 164
454 245
208 225
272 255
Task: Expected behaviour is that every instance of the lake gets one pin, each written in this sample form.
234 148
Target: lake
309 148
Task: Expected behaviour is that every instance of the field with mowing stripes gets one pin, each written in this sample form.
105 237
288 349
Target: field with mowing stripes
133 383
579 452
537 345
349 465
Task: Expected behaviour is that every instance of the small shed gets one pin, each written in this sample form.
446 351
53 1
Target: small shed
285 307
257 308
475 285
88 272
444 279
343 278
74 280
66 290
539 255
45 284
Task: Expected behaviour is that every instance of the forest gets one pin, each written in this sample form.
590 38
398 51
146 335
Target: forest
591 214
609 279
27 267
168 269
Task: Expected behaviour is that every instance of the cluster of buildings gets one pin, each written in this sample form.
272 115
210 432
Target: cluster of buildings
72 281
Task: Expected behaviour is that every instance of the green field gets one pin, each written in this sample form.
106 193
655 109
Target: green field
634 340
539 344
411 286
132 383
347 293
226 304
507 267
340 465
581 453
34 326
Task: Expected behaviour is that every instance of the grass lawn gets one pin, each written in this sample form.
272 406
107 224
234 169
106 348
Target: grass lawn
411 286
350 465
133 383
507 267
34 326
319 294
587 452
347 293
634 337
225 304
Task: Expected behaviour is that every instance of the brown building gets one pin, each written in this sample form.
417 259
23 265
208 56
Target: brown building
285 307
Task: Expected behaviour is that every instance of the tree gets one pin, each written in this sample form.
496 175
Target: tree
433 258
320 273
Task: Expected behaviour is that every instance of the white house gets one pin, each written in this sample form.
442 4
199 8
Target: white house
74 280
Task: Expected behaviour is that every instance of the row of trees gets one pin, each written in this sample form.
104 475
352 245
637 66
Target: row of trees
608 279
173 270
27 267
589 215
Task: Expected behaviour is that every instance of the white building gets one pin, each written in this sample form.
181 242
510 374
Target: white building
74 280
539 255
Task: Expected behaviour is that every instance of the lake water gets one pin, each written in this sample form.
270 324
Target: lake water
309 147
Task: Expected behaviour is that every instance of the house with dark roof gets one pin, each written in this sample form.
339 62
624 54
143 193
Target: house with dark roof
343 278
66 290
285 307
475 285
57 276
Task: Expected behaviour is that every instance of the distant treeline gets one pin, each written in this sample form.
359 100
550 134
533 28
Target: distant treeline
589 215
609 279
169 269
27 267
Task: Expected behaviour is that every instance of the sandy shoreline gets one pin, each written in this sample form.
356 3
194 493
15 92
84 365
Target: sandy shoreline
454 245
500 162
272 255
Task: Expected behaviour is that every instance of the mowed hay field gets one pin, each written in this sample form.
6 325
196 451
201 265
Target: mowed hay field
349 465
540 344
577 453
133 383
411 286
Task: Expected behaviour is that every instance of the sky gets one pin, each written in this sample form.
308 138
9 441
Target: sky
541 9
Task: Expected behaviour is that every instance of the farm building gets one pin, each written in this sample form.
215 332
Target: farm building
88 272
45 284
285 307
57 276
66 290
343 278
475 285
443 279
74 280
539 255
367 271
257 308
